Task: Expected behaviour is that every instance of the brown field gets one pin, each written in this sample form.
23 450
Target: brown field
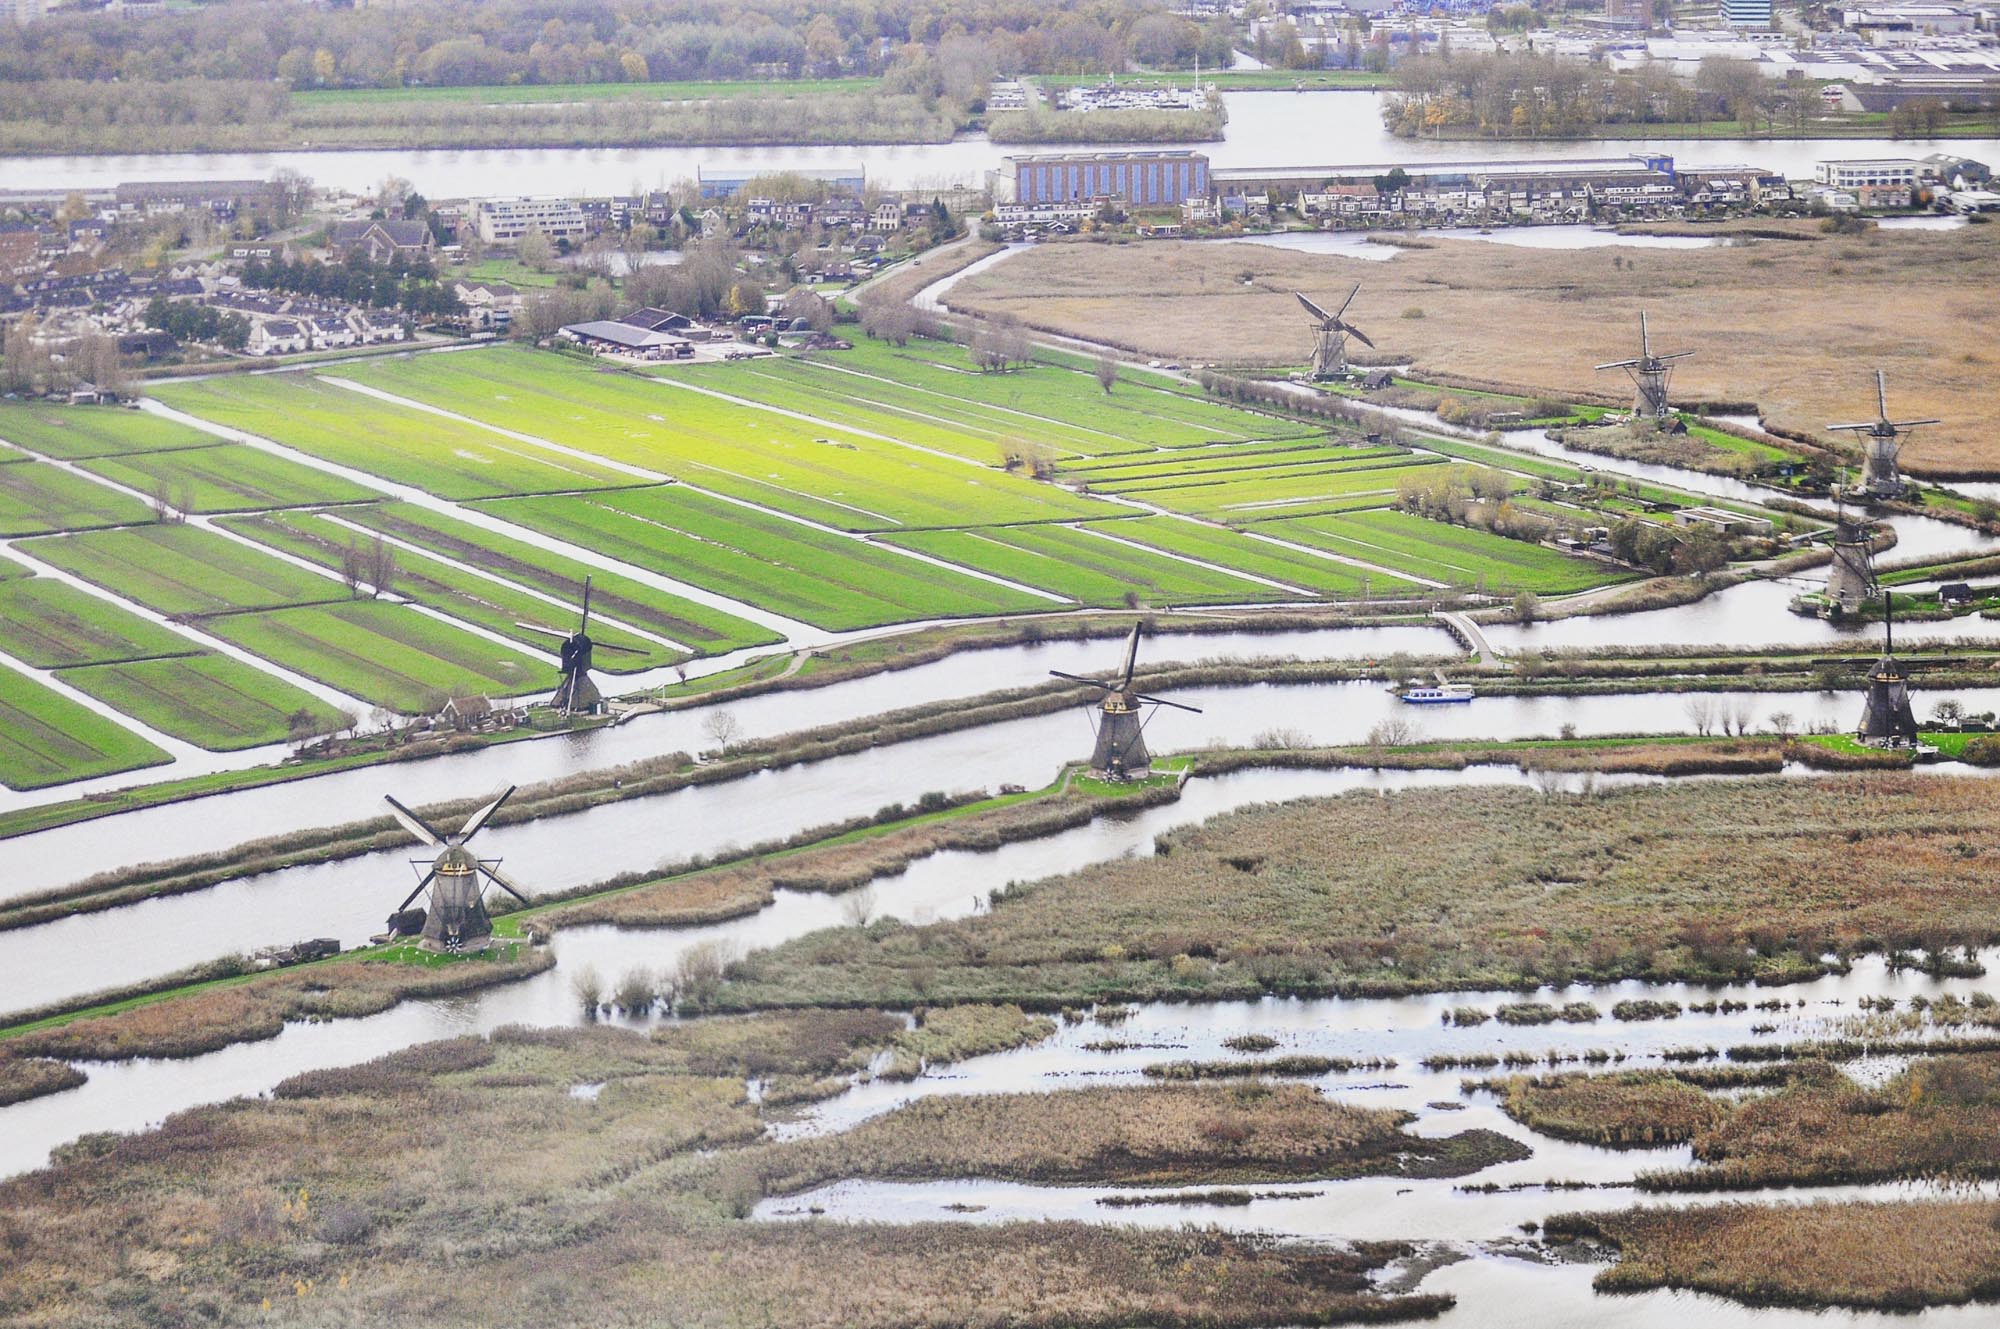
1797 326
1430 890
1889 1256
462 1183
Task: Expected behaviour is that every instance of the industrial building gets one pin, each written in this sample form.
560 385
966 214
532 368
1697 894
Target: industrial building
1143 179
1747 13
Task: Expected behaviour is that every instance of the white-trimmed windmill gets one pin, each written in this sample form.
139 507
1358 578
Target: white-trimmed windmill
1650 374
456 919
1121 752
575 693
1881 443
1330 334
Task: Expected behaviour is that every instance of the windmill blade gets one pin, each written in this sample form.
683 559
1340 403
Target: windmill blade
479 818
1645 336
1353 331
1162 701
493 874
1131 659
1342 311
1882 393
419 891
1619 364
546 632
584 624
1912 424
414 824
624 650
1870 425
1314 309
1676 355
1079 678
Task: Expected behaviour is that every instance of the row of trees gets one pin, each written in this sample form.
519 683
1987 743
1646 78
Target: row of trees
466 42
198 323
28 364
408 285
1533 95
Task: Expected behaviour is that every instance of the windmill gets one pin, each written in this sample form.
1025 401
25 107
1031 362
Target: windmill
1121 738
1850 578
1649 375
1887 719
1330 334
456 920
576 693
1881 441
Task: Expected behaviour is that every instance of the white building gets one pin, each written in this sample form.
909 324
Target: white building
503 221
1855 173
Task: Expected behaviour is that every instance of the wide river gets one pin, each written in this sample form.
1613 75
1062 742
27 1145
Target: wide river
1266 129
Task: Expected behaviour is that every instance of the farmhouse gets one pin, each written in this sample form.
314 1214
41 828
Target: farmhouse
622 338
379 240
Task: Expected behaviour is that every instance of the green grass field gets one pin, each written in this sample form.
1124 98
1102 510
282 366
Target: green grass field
387 654
1084 567
404 446
46 739
1256 495
708 631
37 498
1240 549
815 471
228 477
830 581
175 569
462 595
51 625
1252 454
1457 555
209 700
508 94
71 433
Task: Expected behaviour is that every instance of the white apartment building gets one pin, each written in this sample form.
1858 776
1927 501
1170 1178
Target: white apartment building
503 221
1856 172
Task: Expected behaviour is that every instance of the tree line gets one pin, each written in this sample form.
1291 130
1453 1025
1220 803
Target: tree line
472 42
409 284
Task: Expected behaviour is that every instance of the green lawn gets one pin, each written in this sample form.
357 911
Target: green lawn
51 625
45 738
229 477
453 592
1239 549
70 433
1457 555
1215 456
387 654
708 631
816 471
1085 567
830 581
209 700
176 569
402 445
1256 495
36 498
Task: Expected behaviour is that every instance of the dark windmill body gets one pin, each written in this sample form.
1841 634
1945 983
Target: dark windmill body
575 693
1330 334
456 919
1120 752
1887 720
1881 445
1850 578
1649 373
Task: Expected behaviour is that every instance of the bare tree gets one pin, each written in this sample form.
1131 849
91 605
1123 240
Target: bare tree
1784 725
1701 714
722 728
1107 373
352 564
381 566
889 321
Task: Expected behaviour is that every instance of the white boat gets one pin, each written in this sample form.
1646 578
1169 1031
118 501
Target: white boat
1444 694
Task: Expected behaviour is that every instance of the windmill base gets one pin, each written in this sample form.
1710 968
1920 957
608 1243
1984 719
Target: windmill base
470 946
